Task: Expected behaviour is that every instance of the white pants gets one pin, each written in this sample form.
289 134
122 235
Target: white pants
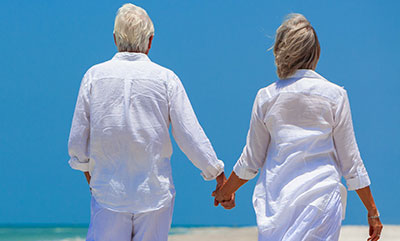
107 225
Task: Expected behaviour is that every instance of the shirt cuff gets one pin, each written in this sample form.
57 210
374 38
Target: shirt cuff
243 172
213 171
358 182
77 165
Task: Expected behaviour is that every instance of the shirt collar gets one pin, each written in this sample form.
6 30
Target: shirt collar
305 73
131 56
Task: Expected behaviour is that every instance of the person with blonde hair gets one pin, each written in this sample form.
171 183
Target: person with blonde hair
302 142
120 137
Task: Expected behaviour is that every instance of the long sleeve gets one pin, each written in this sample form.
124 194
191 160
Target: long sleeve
255 151
80 129
350 162
189 135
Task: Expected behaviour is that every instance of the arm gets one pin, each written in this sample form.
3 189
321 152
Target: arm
351 164
79 135
251 160
349 159
189 135
375 225
257 142
368 201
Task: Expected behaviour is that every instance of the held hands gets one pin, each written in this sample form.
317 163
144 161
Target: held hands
226 200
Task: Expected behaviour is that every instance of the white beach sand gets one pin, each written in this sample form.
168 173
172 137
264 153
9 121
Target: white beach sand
348 233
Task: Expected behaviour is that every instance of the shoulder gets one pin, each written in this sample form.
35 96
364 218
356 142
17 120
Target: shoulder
312 83
262 100
163 72
266 93
166 76
315 86
329 90
148 69
98 69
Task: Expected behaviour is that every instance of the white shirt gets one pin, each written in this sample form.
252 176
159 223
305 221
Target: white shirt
120 133
301 137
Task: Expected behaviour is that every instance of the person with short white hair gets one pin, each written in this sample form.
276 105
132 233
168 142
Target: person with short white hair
120 137
301 141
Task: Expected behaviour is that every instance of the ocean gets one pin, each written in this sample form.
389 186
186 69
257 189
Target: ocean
52 233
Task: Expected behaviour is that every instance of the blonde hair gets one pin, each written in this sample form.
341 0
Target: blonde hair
132 29
296 46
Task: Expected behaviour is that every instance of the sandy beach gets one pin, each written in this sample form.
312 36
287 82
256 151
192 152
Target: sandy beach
348 233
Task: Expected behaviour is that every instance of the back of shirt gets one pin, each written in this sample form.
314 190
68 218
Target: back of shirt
120 133
129 136
301 138
302 125
300 116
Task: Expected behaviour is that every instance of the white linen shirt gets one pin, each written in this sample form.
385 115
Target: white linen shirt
301 137
120 133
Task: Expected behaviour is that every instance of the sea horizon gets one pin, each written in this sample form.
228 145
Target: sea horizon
52 232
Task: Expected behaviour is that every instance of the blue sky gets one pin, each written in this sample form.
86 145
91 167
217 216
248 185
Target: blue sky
219 50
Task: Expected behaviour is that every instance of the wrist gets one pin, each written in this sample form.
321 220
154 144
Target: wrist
225 193
221 178
373 212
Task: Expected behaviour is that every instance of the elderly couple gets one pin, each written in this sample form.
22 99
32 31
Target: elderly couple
300 140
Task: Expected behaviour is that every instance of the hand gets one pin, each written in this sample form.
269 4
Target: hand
375 228
226 201
229 204
221 179
375 225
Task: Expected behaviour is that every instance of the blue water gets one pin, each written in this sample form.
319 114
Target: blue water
52 233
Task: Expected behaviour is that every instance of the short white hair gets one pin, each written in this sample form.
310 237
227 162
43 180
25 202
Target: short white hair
132 29
296 46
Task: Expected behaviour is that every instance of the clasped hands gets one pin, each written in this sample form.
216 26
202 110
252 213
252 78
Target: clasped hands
221 196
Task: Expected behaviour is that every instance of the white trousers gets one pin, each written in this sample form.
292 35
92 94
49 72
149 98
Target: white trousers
107 225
